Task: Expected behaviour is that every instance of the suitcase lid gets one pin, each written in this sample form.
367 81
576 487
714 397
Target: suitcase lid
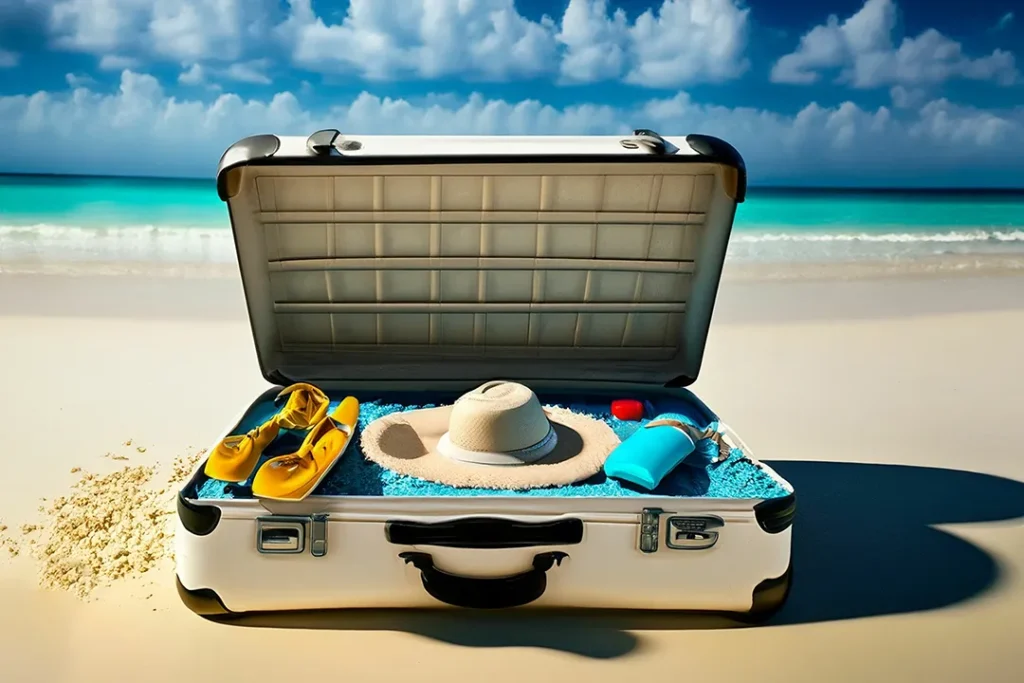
468 257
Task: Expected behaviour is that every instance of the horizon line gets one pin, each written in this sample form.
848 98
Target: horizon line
861 188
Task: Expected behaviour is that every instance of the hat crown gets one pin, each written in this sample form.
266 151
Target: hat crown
498 417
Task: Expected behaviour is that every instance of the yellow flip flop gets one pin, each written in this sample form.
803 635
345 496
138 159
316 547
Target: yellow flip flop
305 407
234 458
294 476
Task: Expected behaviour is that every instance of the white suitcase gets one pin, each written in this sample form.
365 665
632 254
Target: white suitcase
404 269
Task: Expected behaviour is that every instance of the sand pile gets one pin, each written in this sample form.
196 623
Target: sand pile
109 527
8 543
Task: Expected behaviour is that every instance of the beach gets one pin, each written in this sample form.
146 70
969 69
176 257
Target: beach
891 403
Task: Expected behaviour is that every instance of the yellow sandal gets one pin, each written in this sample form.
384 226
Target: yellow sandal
294 476
305 407
234 458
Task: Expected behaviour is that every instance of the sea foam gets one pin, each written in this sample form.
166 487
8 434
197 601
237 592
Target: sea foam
213 245
142 243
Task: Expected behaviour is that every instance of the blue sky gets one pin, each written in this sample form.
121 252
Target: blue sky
873 92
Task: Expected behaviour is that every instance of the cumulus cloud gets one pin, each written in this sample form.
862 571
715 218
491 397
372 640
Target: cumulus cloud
180 30
117 63
385 39
194 75
862 48
187 136
79 80
907 98
683 42
673 44
253 71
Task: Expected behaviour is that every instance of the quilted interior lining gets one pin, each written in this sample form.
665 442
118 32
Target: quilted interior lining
433 261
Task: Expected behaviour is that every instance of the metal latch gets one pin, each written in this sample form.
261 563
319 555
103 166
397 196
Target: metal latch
681 532
326 142
318 536
650 520
692 533
286 535
649 140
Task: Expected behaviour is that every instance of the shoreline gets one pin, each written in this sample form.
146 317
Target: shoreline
734 270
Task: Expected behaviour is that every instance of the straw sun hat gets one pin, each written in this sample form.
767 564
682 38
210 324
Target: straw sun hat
497 436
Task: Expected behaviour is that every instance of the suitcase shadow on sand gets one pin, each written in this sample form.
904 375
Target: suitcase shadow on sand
864 545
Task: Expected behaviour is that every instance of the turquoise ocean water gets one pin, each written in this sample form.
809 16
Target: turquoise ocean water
56 218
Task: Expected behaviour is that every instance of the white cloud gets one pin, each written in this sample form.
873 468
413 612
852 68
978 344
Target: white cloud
180 30
384 39
79 81
193 75
862 47
685 41
242 72
253 71
674 43
907 98
8 59
596 44
1004 21
938 141
117 63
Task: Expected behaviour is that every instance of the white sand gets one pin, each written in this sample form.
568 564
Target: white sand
903 574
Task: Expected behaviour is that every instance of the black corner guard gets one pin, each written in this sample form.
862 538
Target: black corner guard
485 532
478 593
769 597
203 601
197 519
722 152
242 152
775 515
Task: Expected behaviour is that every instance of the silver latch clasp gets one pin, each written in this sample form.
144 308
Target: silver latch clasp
318 536
650 523
692 533
649 140
288 535
328 141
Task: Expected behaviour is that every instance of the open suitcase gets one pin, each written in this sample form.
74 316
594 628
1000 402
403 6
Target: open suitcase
407 270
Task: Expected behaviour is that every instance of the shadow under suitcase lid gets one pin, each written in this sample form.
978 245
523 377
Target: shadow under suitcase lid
864 545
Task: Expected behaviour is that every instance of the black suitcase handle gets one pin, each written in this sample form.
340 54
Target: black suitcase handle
485 532
479 593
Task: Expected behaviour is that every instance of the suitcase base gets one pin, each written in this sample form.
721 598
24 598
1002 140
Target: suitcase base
768 598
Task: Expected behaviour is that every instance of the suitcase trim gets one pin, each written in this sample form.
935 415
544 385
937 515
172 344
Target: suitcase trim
261 150
767 598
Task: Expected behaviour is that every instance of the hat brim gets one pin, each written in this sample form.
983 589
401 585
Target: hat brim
406 442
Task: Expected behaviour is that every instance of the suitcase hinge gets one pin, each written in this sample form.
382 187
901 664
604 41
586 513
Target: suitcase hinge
697 532
289 535
649 140
327 142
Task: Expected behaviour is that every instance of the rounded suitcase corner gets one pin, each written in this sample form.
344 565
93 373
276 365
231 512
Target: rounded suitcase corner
769 597
204 602
199 520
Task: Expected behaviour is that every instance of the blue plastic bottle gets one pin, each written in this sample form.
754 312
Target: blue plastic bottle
647 457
